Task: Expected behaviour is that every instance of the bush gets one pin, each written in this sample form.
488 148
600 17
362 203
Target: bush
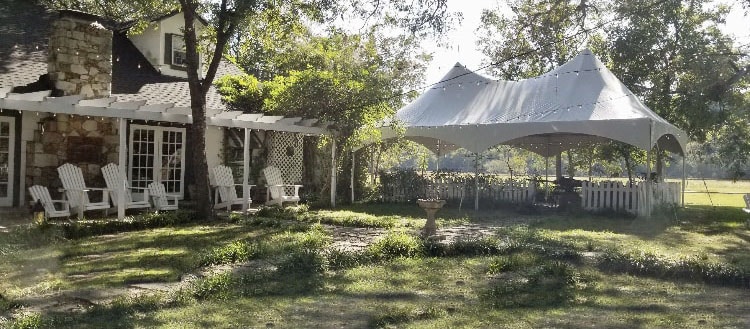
549 284
237 251
690 268
513 262
394 245
289 212
213 287
87 228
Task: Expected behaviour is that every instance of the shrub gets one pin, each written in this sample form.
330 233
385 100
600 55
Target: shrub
549 284
688 268
342 259
237 251
396 244
474 247
303 261
213 287
289 212
513 262
87 228
398 315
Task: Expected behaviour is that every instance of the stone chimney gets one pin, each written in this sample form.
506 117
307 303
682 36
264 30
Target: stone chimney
80 55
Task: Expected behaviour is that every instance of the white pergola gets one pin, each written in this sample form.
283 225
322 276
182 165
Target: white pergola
110 107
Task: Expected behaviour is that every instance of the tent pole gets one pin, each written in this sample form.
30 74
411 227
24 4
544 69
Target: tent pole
476 181
351 179
683 180
437 162
246 171
546 173
333 171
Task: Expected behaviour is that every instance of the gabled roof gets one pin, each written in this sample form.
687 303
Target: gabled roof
577 103
138 90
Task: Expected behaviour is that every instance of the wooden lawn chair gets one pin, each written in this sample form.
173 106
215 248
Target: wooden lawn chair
76 191
41 194
115 180
278 192
161 198
225 194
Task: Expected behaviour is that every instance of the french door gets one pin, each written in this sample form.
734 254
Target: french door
157 154
7 152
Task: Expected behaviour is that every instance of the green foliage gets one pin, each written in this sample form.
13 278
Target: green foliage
216 287
350 219
687 268
513 262
30 321
82 229
549 284
394 245
409 181
242 93
237 251
393 316
290 213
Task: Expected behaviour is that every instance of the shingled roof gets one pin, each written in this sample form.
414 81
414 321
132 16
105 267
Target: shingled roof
23 60
24 34
134 79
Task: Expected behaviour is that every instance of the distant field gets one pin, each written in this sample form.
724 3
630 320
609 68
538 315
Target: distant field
716 192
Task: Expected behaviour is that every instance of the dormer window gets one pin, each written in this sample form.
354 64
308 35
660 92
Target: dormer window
178 50
174 51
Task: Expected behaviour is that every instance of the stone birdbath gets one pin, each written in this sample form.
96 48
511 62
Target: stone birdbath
430 206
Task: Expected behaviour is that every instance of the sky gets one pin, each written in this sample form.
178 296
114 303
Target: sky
462 40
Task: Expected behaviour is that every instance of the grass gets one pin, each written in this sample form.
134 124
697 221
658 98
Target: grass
398 281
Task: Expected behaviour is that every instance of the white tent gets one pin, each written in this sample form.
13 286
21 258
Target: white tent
577 103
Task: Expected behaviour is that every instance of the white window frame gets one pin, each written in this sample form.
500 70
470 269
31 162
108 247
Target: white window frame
178 46
158 156
8 200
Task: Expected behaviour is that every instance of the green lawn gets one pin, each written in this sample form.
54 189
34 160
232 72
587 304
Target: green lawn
297 281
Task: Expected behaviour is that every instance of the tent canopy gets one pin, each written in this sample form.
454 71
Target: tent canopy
576 104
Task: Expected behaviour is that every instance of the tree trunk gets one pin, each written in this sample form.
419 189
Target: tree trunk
201 198
198 91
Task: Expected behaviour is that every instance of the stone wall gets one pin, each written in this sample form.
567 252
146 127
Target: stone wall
52 148
80 57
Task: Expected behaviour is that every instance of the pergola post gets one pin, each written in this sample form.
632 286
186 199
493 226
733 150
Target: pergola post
122 158
333 171
246 171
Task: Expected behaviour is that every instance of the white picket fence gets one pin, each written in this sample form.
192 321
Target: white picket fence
595 196
630 198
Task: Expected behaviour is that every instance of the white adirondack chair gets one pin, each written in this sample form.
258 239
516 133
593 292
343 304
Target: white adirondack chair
225 195
161 198
41 194
278 192
115 179
76 191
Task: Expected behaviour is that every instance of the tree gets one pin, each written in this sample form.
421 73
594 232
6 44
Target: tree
538 36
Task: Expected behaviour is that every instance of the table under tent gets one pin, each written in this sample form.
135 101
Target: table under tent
578 103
